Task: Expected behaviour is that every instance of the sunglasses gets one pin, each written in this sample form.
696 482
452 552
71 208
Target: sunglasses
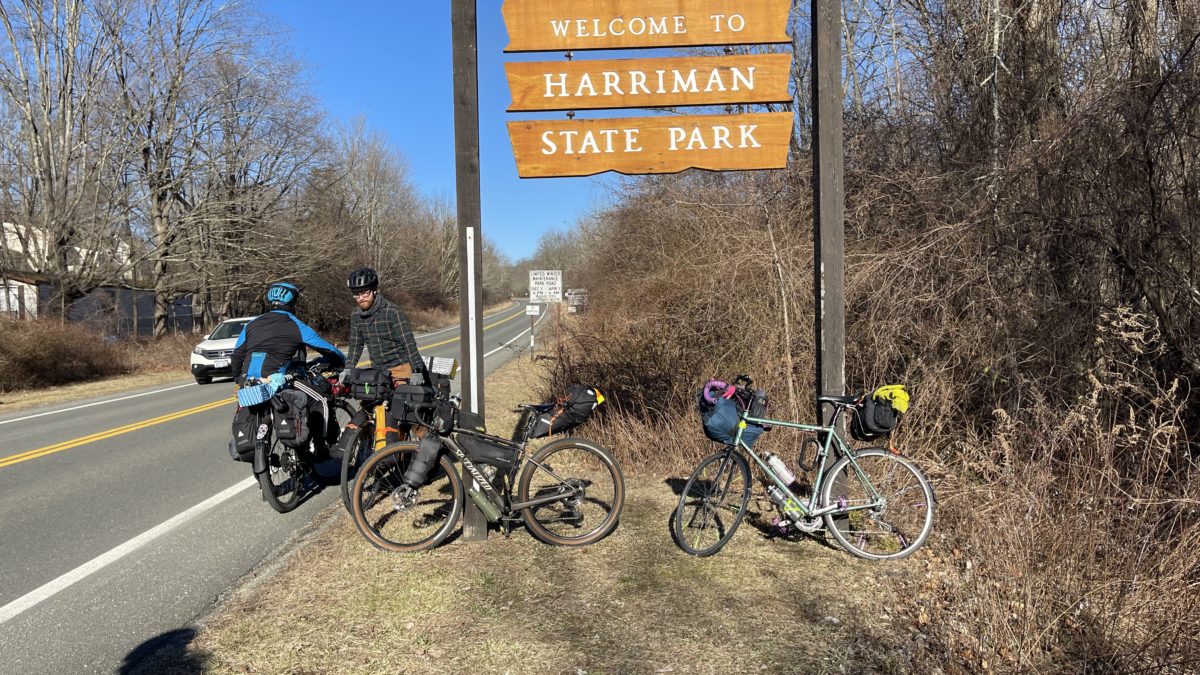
361 294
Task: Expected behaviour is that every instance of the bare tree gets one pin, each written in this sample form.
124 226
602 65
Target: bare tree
62 146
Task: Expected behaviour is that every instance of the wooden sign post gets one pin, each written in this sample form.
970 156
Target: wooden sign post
470 239
828 212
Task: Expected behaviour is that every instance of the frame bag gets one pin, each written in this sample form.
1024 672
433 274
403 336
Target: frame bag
487 452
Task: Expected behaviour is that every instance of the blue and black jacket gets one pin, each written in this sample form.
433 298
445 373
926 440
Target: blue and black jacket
275 340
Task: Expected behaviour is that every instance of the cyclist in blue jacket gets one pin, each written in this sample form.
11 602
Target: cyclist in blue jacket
276 341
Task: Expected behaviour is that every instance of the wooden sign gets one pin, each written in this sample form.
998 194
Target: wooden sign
642 83
561 25
641 145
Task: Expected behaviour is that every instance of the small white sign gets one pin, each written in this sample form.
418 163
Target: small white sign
545 286
532 310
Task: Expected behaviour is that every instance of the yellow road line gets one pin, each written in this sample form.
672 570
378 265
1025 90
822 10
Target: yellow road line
455 339
367 362
67 445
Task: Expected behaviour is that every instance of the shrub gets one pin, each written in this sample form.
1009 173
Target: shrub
46 353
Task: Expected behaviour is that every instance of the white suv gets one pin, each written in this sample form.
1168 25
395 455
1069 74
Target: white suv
210 358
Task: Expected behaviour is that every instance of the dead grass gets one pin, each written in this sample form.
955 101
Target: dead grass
433 319
633 603
20 400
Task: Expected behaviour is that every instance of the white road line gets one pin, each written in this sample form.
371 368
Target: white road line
159 391
98 563
88 405
525 332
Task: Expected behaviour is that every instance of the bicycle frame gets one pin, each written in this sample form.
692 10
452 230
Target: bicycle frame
830 434
508 507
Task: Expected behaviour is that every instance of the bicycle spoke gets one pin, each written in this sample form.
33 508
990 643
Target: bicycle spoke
884 508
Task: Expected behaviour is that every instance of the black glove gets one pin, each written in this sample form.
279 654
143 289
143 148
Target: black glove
239 380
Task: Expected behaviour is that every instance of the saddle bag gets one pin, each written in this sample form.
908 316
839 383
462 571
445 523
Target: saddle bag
369 384
569 411
879 413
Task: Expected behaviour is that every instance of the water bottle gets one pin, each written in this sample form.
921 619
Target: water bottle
485 504
786 504
780 469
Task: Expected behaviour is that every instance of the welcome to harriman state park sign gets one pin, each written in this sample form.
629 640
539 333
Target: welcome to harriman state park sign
655 144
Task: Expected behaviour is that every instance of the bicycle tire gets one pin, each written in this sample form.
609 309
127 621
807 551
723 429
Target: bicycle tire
386 527
283 482
872 535
696 492
356 445
603 497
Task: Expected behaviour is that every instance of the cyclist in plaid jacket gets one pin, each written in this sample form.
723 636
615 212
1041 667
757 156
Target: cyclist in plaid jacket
381 326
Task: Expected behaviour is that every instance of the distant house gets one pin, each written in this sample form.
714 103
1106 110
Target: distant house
18 296
118 310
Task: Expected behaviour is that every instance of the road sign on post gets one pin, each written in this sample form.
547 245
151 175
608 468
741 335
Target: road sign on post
532 311
545 286
470 239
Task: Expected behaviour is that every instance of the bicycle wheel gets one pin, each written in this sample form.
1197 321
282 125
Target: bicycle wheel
423 525
355 445
282 484
592 488
890 526
712 504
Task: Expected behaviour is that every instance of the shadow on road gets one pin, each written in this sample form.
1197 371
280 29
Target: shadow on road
164 653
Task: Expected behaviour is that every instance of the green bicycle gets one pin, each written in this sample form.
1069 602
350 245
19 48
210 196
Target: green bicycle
875 502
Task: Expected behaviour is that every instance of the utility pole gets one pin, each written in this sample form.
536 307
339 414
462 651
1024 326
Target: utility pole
470 244
829 244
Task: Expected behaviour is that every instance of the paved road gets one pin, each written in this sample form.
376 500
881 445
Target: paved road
123 518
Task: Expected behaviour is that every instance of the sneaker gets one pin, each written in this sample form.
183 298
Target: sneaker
404 497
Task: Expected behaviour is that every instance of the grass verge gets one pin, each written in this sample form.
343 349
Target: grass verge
631 603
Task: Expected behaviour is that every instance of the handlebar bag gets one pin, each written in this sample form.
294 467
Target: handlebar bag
721 420
369 384
405 398
569 411
444 418
291 418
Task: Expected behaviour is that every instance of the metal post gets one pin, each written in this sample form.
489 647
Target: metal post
828 236
470 245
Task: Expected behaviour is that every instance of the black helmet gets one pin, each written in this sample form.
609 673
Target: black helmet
363 279
282 295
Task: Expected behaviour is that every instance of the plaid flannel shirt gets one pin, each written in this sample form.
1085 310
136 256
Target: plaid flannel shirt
385 331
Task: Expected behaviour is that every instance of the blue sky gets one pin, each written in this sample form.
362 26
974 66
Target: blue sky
390 62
